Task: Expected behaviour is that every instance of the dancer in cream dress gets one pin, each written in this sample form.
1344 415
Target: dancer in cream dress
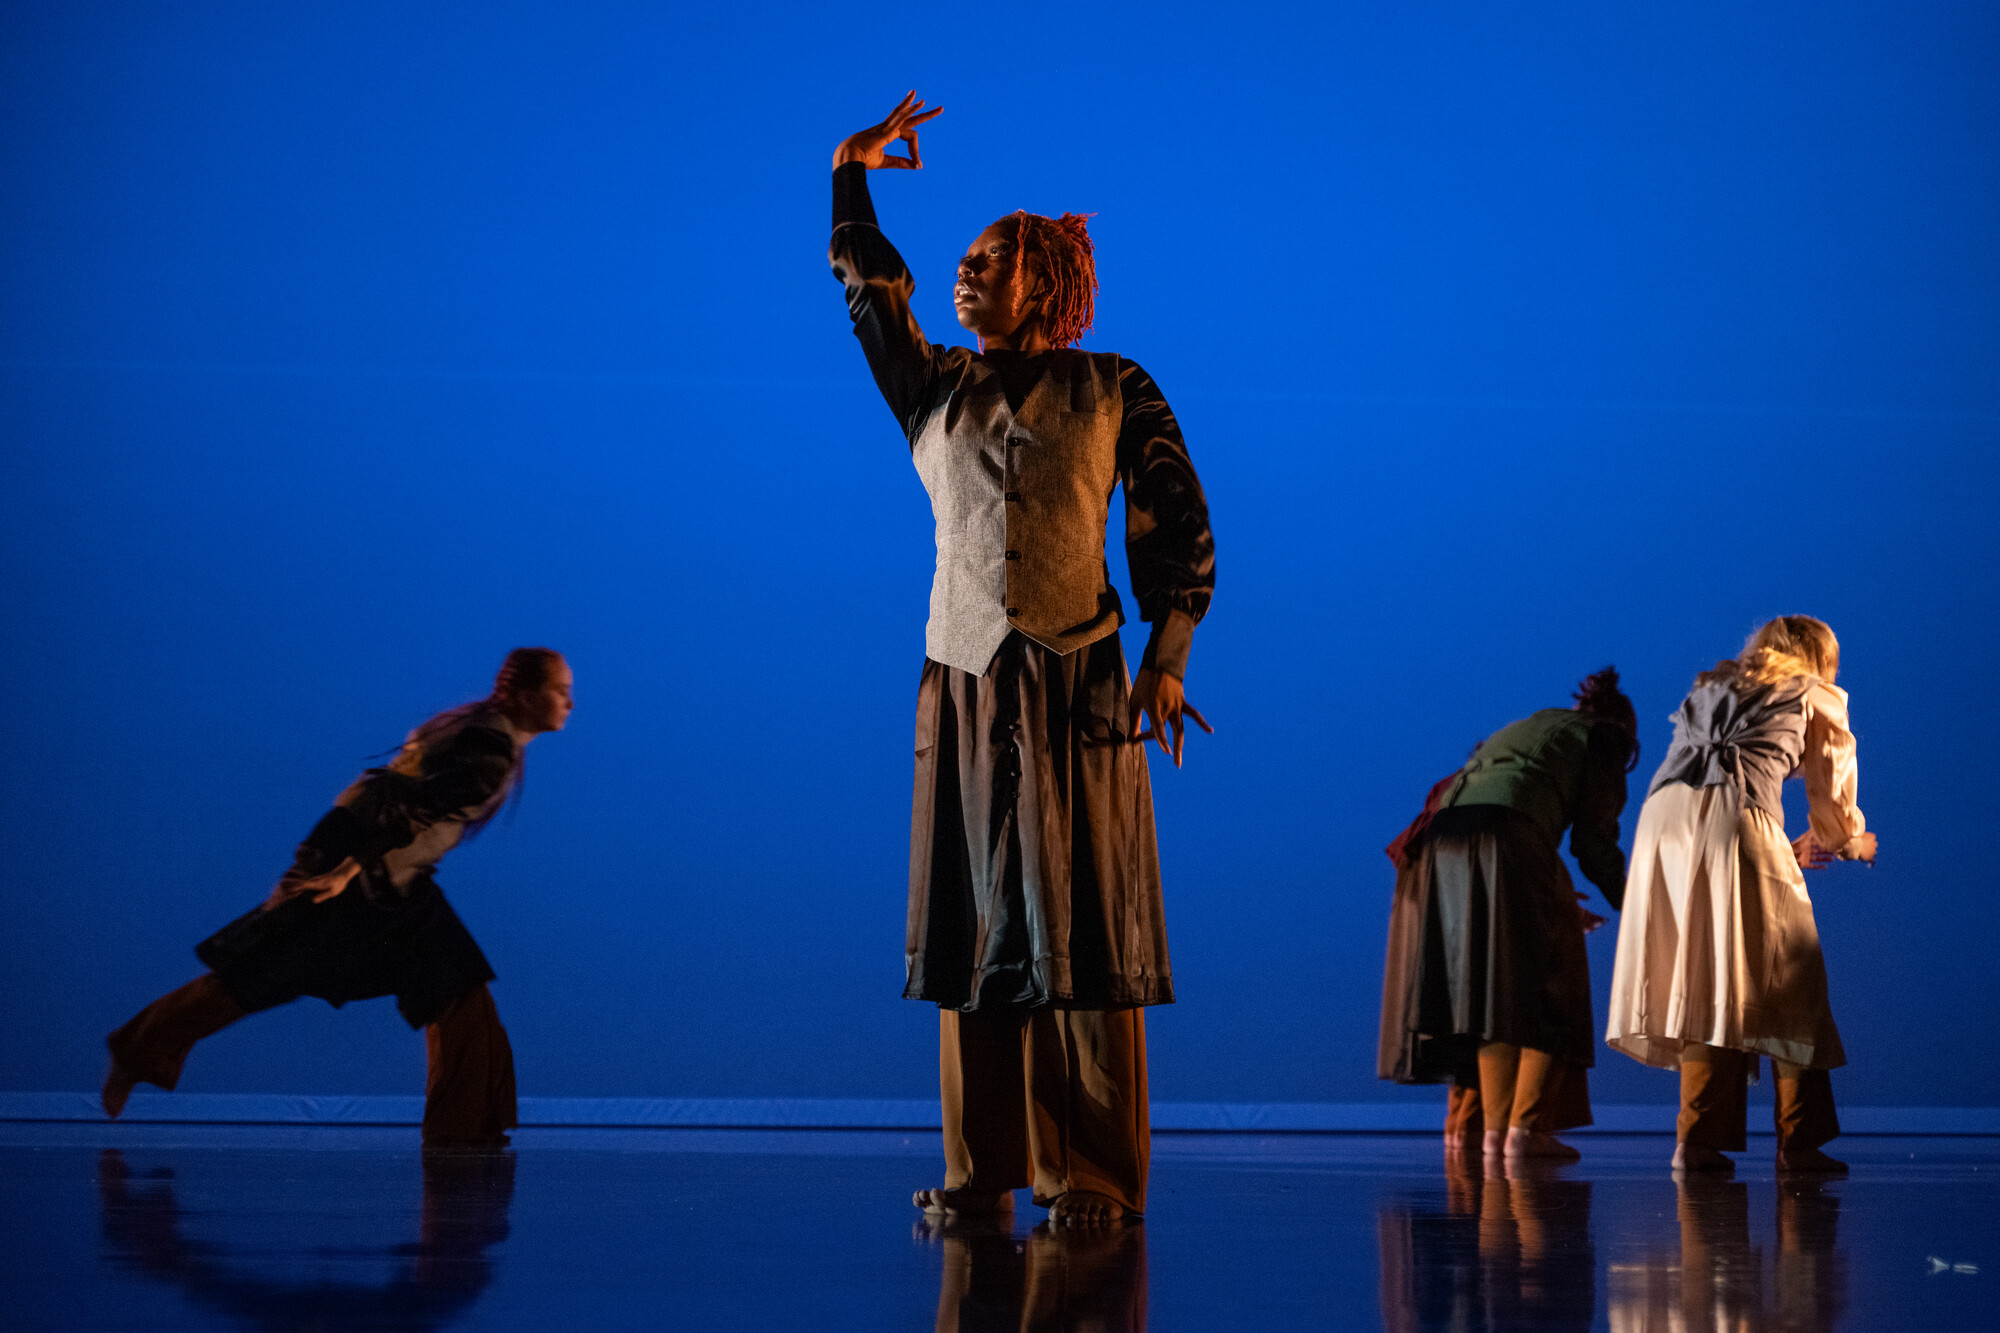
1718 954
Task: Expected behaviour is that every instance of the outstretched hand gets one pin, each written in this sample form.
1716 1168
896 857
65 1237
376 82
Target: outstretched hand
322 887
869 147
1809 854
1157 698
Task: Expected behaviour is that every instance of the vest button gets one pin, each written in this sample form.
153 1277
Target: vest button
1013 555
1013 610
1013 495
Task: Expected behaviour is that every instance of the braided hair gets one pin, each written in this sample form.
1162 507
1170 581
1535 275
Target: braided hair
524 669
1061 254
1599 697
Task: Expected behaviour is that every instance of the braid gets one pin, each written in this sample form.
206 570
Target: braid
1062 254
525 669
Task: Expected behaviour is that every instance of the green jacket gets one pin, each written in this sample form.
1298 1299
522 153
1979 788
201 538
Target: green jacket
1562 769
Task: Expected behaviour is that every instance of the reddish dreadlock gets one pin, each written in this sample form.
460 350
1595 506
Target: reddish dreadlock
1060 252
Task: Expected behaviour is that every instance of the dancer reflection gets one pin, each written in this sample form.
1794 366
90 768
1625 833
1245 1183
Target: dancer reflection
1716 1278
1511 1248
359 915
1718 954
1035 919
1487 984
1055 1281
434 1282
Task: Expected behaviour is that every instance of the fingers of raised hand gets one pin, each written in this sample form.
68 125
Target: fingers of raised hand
914 162
910 111
1195 713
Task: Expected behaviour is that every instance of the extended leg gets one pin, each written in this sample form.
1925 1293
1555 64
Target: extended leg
469 1089
1090 1132
155 1044
1714 1108
983 1090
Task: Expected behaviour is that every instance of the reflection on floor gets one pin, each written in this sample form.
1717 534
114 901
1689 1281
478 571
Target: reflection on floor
165 1227
432 1280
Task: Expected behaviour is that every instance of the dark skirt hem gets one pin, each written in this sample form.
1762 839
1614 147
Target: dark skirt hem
358 946
1485 944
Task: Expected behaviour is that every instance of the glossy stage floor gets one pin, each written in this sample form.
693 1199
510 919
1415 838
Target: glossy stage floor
200 1227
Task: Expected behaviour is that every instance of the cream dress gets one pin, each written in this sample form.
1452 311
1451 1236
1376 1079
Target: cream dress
1717 943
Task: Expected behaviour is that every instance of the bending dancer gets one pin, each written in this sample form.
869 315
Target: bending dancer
1035 913
1487 985
1718 954
358 915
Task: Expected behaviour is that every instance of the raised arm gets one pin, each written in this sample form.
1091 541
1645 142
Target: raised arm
1169 548
878 282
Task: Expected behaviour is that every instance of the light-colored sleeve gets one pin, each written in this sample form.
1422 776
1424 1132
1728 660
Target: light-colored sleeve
1829 769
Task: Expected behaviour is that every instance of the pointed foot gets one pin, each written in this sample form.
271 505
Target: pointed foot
118 1085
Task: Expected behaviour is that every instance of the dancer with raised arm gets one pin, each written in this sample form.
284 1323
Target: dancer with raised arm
1035 920
359 915
1718 952
1487 985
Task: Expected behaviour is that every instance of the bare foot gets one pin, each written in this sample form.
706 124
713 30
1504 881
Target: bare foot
1494 1143
1698 1157
1810 1161
1531 1143
1084 1208
118 1085
943 1202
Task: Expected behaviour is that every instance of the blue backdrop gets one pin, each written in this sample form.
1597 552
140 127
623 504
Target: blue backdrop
347 347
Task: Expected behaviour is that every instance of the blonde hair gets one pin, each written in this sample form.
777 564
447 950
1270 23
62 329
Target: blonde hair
1790 646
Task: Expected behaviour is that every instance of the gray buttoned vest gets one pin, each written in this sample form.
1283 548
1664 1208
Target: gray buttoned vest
1021 500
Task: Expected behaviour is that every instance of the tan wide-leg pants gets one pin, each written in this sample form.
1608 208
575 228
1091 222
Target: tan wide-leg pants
1715 1101
1520 1086
1049 1098
468 1092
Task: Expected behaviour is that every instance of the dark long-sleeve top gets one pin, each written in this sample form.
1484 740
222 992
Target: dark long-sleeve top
1169 546
1562 769
400 820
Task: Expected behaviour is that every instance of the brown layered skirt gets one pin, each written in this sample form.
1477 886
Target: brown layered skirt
1485 944
1034 873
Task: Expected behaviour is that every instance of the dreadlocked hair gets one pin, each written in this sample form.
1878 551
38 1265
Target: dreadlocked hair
1060 252
1599 696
